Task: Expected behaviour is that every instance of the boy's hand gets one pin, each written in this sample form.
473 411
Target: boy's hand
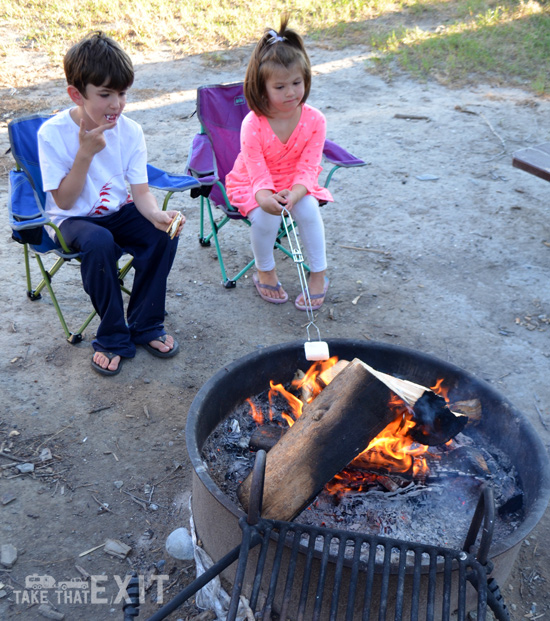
163 219
93 141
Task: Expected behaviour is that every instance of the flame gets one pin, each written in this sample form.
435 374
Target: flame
391 450
256 413
440 390
308 387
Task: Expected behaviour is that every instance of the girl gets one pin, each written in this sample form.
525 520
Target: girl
282 141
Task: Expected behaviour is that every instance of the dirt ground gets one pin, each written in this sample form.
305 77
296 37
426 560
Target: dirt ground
438 244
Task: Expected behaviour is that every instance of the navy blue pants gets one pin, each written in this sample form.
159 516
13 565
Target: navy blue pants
101 242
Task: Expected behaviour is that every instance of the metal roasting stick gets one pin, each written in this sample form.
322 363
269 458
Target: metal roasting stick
315 350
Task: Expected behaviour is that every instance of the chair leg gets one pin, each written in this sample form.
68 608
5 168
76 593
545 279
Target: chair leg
31 293
204 241
166 199
230 283
46 281
35 294
214 228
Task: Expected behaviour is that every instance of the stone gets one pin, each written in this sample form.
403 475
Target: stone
8 555
48 611
25 468
179 545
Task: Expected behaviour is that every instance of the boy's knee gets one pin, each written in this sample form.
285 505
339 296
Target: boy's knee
100 242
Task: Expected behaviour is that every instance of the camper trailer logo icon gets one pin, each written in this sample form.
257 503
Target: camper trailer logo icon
37 582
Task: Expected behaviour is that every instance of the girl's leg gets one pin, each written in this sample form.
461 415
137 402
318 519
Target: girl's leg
307 215
263 233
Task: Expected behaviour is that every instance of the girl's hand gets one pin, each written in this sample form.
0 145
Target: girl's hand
269 202
289 198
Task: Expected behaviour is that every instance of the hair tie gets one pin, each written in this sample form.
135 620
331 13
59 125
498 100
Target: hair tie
275 38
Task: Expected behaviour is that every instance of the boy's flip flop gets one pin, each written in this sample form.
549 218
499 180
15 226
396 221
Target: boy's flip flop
260 286
162 354
108 354
316 296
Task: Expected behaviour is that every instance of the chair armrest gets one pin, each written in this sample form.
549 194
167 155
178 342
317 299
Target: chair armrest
338 156
201 162
162 180
24 209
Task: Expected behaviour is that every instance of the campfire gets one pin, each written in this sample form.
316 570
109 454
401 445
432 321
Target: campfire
394 449
497 449
351 447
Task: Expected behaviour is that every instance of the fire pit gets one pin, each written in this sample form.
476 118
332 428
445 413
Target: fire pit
216 516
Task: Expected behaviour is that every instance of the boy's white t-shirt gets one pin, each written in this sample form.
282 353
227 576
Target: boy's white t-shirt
124 159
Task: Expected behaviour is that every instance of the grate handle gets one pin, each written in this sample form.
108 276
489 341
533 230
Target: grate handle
484 513
256 488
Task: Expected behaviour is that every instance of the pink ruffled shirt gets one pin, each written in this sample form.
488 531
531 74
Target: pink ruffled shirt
265 163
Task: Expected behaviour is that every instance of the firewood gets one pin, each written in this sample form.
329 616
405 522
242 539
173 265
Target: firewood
333 429
470 407
325 377
265 437
435 422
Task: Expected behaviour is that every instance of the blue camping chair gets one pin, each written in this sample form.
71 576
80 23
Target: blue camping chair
28 219
221 109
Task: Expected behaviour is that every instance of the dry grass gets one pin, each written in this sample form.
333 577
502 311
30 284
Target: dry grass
456 41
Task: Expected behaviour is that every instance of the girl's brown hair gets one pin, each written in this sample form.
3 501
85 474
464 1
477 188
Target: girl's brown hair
274 50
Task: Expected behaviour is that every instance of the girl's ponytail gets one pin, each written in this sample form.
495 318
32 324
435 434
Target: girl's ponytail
275 49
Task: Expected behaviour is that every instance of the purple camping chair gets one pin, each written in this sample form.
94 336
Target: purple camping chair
221 109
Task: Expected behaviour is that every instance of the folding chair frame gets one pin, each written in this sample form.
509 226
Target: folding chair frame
26 179
202 164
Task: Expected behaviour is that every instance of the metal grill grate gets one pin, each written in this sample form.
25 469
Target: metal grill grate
300 572
372 578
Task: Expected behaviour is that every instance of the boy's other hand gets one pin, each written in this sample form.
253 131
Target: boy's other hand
163 219
93 141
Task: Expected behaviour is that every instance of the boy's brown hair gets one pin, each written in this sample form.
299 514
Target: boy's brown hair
98 60
274 50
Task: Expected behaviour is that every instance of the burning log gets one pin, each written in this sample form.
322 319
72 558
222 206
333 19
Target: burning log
265 437
435 423
470 408
332 430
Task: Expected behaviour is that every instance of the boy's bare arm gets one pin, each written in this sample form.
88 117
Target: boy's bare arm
147 205
71 186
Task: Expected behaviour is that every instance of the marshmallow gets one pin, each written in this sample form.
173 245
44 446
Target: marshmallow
316 350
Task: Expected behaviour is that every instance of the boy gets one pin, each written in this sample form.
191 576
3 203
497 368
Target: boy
87 153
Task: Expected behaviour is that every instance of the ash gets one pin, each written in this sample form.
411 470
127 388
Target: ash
436 510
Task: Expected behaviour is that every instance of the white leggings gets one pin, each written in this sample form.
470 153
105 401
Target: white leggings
307 216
